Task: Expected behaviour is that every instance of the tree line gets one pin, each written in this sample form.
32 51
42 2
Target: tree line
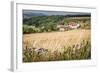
38 24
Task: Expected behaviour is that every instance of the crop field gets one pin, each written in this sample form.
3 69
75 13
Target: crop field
68 45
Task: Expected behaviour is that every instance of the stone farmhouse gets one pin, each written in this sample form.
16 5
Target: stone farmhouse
71 25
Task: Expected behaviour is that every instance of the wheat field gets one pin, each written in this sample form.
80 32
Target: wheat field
67 45
55 40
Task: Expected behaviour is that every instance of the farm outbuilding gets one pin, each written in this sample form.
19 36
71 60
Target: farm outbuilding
63 27
71 25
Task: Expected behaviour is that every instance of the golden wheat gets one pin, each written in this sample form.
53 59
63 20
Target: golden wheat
55 40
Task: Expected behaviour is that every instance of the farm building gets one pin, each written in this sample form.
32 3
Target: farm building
63 27
71 25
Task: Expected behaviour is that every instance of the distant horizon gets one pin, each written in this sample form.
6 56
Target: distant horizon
31 13
48 13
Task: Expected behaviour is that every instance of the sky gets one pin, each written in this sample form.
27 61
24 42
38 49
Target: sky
52 12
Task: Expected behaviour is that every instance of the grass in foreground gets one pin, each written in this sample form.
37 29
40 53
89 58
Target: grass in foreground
75 52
